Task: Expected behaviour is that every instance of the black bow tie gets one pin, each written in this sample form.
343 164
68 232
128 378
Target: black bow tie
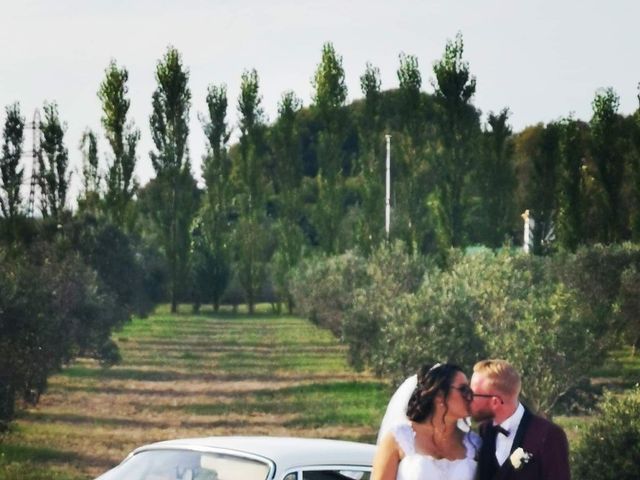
498 429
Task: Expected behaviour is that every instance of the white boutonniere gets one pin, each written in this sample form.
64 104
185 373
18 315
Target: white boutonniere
520 458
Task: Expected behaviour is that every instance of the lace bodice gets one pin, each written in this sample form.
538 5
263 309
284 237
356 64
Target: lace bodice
418 466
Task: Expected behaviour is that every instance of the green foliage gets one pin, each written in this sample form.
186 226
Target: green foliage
330 94
249 169
629 304
174 189
322 287
253 248
455 164
370 165
410 82
53 160
90 171
571 187
10 171
118 259
286 150
330 89
525 314
604 278
169 120
123 139
89 198
496 214
210 264
391 273
608 161
370 84
610 446
54 307
537 154
290 243
211 230
555 318
167 205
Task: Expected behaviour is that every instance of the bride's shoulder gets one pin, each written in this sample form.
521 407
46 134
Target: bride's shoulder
404 436
403 429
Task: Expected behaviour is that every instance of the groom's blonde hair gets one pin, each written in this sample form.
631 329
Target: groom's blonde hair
501 375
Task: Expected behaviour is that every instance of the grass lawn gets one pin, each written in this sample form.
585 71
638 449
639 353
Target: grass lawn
194 375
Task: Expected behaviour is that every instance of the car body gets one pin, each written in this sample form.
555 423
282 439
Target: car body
247 458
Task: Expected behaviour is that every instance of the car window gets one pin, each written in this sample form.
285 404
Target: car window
336 475
187 465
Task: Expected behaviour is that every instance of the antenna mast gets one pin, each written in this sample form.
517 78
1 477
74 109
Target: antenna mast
35 153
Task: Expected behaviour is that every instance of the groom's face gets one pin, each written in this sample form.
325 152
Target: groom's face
481 407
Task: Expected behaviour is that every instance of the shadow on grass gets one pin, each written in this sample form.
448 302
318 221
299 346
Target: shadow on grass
21 453
173 376
11 453
73 419
334 403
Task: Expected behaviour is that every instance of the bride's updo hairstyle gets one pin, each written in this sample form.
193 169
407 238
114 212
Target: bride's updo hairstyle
431 381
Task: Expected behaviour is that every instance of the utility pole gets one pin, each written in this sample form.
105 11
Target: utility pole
529 225
35 152
387 202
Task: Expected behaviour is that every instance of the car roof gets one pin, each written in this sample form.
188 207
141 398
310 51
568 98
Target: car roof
285 452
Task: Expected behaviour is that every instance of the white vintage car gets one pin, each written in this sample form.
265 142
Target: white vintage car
247 458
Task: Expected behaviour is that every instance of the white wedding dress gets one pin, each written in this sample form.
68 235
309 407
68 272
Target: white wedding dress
419 466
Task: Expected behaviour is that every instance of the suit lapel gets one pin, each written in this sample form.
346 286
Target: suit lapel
506 468
522 428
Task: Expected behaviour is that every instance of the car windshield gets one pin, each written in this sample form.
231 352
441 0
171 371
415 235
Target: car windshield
187 465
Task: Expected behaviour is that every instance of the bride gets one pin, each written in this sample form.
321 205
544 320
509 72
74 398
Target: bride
420 437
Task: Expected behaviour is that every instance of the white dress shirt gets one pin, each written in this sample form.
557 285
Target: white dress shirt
504 442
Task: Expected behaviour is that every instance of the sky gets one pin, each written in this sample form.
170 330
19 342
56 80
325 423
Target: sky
543 59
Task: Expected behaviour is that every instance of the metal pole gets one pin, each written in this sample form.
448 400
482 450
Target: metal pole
35 150
387 202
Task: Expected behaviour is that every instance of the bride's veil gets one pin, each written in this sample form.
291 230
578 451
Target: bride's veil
396 412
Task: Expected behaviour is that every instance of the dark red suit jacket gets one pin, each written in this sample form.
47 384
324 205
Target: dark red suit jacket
544 440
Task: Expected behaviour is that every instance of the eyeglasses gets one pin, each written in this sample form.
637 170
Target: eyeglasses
465 391
488 395
468 394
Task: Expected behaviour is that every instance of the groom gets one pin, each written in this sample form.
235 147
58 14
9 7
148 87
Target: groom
516 444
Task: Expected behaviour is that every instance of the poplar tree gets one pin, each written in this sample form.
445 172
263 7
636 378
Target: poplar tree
370 227
123 139
571 204
53 160
11 172
251 235
609 162
635 175
250 168
287 177
411 182
330 94
459 132
210 234
174 192
497 212
287 151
